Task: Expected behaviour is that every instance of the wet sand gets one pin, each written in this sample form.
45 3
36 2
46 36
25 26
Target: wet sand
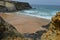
24 23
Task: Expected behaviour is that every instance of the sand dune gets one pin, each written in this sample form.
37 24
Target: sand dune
24 23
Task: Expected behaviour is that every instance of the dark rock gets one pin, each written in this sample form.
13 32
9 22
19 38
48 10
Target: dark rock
40 33
46 26
36 35
3 8
8 31
22 6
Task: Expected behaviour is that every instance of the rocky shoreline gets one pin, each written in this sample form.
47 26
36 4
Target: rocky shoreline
51 31
12 6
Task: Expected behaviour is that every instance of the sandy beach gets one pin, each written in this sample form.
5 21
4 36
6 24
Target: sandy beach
24 23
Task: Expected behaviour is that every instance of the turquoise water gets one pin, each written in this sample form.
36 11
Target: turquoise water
41 11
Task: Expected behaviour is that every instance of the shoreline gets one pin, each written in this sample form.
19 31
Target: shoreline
25 23
48 18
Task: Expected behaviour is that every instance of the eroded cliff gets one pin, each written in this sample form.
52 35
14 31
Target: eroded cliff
7 6
54 30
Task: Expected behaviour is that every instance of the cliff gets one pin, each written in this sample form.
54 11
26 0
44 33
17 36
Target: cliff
54 29
22 5
9 32
13 6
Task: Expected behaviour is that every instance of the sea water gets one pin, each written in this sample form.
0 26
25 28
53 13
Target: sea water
41 11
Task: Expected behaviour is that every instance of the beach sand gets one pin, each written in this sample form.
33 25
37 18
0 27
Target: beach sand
24 23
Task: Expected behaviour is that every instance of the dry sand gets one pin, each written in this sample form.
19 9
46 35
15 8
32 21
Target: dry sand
24 23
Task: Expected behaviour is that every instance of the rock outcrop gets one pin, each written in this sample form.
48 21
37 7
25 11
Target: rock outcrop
9 32
34 36
13 6
22 5
3 9
54 29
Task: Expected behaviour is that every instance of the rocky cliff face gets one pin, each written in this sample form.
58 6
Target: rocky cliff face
22 5
10 6
17 6
13 6
9 32
54 29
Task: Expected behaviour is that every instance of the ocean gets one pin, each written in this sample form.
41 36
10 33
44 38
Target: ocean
41 11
